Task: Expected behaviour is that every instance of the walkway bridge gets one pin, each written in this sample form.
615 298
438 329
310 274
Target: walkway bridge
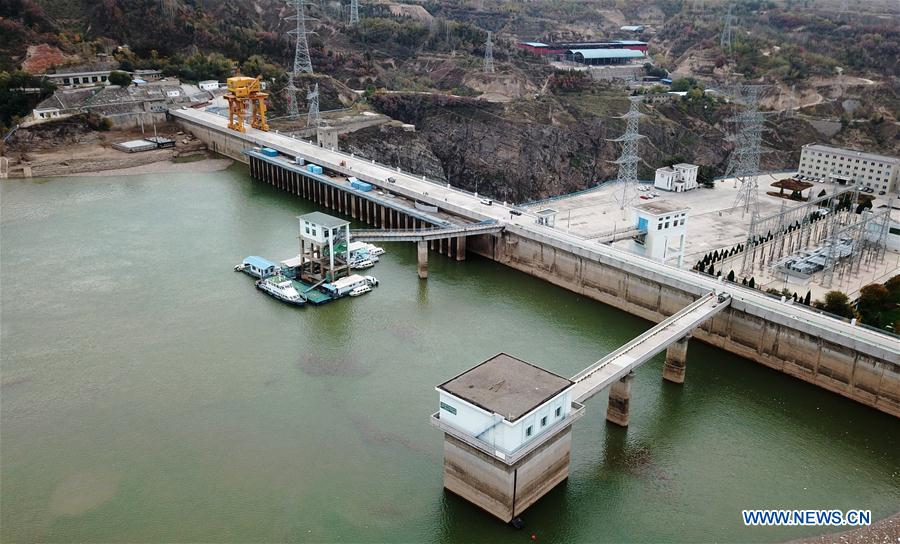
424 236
616 368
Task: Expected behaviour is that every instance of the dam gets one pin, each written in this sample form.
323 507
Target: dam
856 362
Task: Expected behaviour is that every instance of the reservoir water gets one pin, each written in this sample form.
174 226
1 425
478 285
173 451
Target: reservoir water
151 394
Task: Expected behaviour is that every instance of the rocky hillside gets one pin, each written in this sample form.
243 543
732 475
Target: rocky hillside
528 149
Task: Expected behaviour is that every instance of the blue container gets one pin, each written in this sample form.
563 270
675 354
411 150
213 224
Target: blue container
269 152
316 169
361 186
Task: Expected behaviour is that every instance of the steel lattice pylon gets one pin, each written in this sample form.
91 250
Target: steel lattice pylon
489 55
290 92
744 163
302 61
312 100
725 40
354 12
627 180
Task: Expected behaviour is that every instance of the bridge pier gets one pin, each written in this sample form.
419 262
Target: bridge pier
422 251
461 248
676 361
620 401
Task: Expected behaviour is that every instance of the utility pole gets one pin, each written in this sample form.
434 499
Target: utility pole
489 55
627 180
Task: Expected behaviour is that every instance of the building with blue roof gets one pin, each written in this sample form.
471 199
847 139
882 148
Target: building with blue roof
258 267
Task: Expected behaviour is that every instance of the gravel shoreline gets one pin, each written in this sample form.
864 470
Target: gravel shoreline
162 167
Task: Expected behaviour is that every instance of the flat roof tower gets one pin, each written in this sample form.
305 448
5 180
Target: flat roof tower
507 433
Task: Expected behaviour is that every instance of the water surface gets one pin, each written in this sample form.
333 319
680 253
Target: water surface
151 394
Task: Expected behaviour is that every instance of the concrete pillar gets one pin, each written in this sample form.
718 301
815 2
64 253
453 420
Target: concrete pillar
461 248
676 360
422 251
620 401
383 214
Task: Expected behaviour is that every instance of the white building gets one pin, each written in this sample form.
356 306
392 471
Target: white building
208 85
505 403
664 226
845 166
677 178
324 247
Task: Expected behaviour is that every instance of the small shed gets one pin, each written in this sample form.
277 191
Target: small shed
795 186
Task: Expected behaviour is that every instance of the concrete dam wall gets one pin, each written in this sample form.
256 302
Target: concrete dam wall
861 372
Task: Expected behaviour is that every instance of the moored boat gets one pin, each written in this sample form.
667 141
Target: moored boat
360 290
281 288
362 264
257 267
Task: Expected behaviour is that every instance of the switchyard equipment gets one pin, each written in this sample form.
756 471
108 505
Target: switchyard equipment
775 236
245 94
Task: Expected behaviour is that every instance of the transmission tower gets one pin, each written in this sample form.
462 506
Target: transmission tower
744 163
354 12
627 181
489 55
302 62
312 100
792 103
291 95
725 41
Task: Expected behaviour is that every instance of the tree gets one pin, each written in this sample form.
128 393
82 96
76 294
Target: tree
807 298
752 283
730 276
893 286
873 300
122 79
836 303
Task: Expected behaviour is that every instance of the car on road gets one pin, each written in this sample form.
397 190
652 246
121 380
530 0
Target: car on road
392 180
881 193
515 212
486 201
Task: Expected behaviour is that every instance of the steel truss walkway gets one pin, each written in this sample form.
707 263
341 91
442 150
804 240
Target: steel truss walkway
619 363
424 235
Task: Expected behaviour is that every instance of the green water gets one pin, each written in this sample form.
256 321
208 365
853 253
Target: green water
151 394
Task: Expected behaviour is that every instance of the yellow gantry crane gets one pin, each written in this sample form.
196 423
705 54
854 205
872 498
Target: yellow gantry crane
244 92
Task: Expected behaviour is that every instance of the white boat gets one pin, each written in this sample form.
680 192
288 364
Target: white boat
371 280
375 250
360 290
362 263
281 288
